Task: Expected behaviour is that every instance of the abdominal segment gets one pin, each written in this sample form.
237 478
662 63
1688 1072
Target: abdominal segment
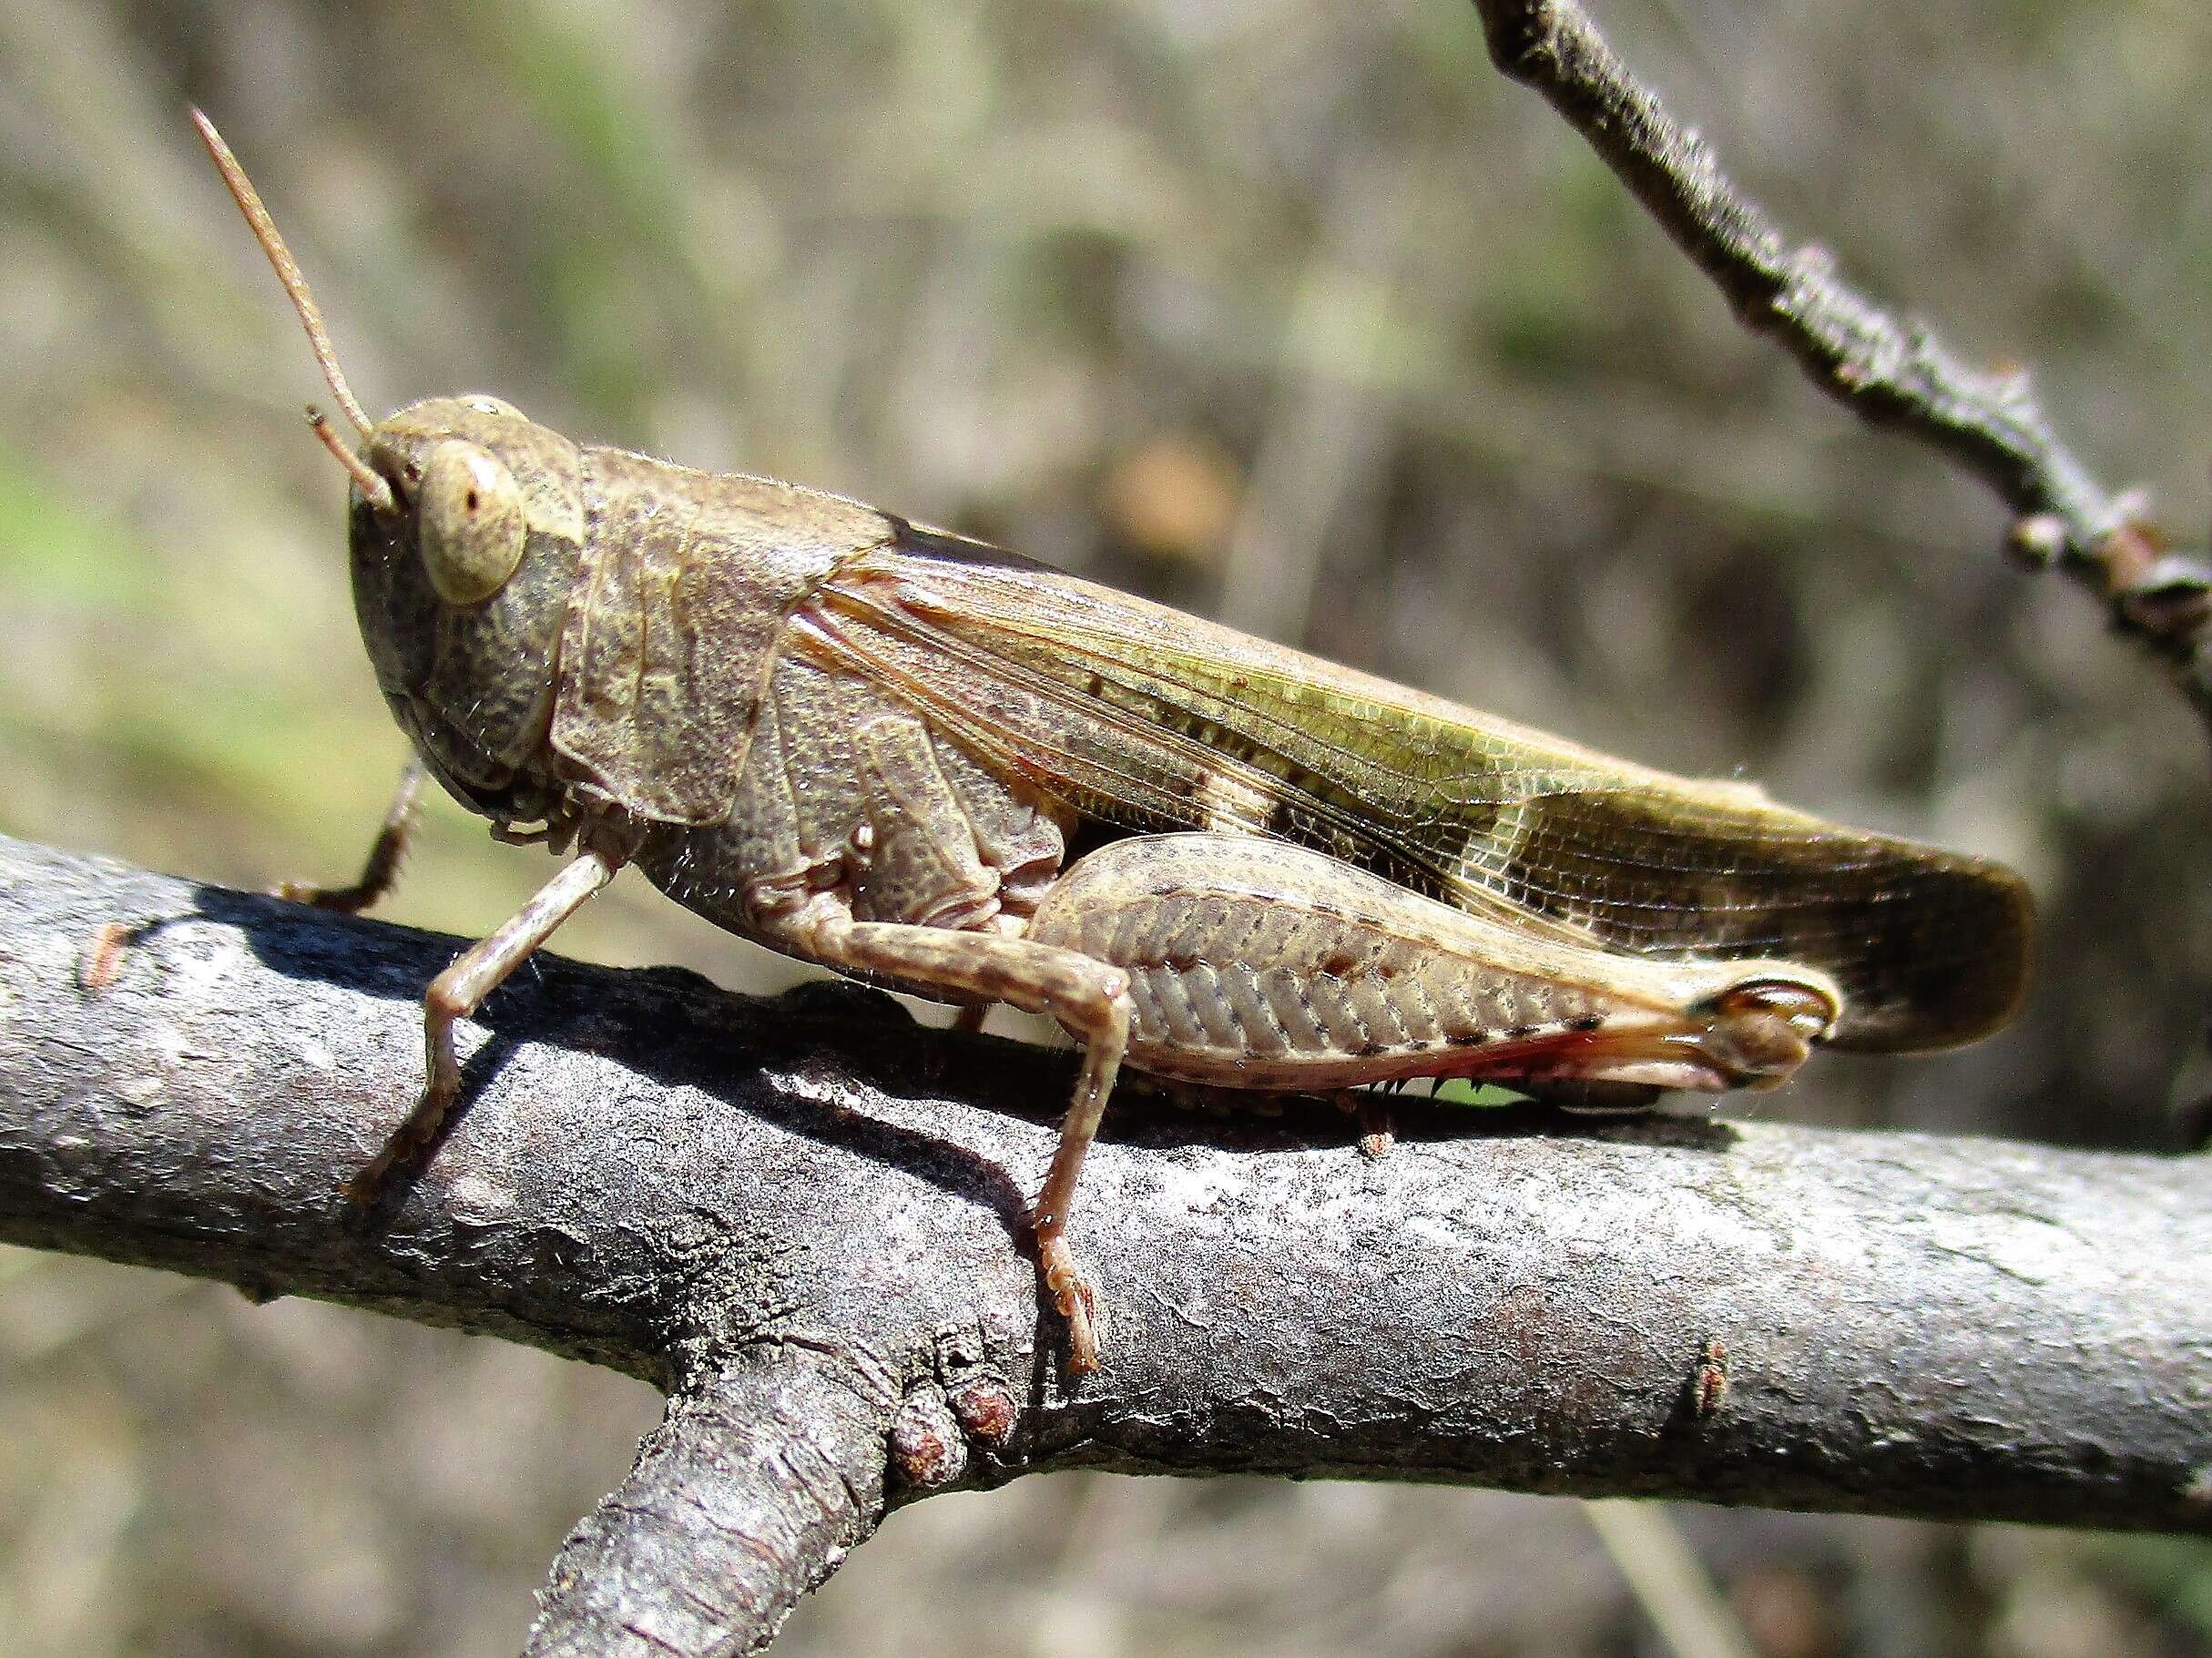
1257 965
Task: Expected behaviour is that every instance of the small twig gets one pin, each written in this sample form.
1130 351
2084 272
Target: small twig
760 1478
1888 370
1668 1580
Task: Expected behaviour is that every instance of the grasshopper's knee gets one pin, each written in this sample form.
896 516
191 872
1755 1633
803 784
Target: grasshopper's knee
446 1000
1102 1012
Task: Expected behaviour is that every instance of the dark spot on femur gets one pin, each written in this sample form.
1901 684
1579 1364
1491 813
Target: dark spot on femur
1338 964
469 500
1369 1050
1469 1039
1521 1031
1588 1022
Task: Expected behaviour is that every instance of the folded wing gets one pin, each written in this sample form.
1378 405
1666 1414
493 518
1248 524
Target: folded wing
1148 720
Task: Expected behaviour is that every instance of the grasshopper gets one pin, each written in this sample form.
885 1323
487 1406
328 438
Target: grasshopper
918 760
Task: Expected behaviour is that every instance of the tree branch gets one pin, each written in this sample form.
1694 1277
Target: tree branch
763 1474
801 1217
1889 372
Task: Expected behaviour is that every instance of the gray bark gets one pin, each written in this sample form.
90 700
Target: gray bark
801 1217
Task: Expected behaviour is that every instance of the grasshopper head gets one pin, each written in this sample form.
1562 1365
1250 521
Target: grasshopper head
465 525
464 541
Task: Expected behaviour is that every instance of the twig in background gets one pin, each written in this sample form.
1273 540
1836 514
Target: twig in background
1668 1580
1889 371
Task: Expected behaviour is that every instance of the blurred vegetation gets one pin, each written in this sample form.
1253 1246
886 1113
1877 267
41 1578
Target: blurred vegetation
1295 314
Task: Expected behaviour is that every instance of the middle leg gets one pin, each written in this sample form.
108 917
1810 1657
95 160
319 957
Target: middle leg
1088 997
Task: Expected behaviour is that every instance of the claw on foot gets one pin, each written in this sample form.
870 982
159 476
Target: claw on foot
345 901
361 1191
405 1147
1074 1298
368 1183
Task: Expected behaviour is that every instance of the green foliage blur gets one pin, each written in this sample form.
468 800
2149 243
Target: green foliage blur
1295 314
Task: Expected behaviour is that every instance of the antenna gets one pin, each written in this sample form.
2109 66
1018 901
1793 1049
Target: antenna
249 201
366 478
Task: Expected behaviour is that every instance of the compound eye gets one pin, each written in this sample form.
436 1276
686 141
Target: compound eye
469 517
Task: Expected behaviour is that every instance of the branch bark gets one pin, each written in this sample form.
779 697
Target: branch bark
800 1217
1889 371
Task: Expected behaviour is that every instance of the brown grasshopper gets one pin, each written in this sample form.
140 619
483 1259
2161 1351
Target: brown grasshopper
874 746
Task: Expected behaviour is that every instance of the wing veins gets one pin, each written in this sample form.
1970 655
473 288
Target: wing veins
900 621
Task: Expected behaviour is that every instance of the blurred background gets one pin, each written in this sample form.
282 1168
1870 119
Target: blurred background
1295 314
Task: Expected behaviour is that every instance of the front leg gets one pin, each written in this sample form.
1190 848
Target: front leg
1091 1001
382 871
459 992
